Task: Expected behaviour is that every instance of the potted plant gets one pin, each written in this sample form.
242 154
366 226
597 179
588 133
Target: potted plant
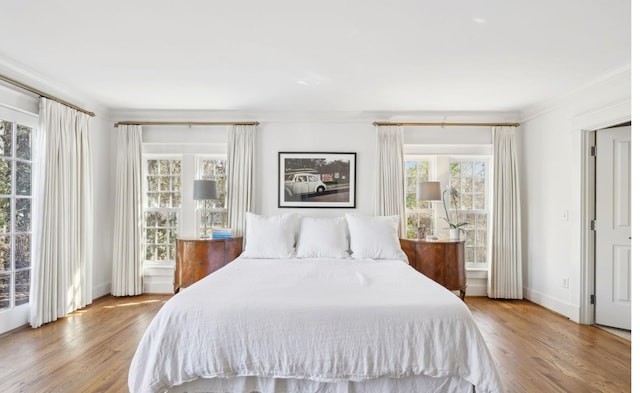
454 227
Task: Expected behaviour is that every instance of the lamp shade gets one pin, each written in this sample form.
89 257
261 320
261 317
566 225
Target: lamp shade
429 191
204 189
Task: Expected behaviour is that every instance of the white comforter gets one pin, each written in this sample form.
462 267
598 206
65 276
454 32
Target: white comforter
315 319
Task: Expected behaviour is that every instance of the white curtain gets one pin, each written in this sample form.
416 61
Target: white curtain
62 268
241 177
505 272
389 174
127 273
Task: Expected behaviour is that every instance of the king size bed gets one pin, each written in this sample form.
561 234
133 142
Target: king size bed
300 322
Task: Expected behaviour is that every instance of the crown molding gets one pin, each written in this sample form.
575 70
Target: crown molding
47 85
619 74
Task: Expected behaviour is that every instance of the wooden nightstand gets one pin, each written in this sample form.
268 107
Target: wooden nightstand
440 260
197 258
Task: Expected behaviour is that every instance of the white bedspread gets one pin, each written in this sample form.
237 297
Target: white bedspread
314 319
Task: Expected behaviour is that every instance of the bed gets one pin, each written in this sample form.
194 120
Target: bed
310 319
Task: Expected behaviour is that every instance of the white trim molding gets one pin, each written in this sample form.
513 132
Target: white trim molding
571 311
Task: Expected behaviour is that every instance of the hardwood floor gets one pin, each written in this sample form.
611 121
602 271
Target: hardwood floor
87 351
537 350
534 349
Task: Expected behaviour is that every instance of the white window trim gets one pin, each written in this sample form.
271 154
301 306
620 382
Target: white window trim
488 200
440 155
198 175
15 316
145 158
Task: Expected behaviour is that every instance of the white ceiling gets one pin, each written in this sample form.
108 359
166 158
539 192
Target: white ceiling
288 55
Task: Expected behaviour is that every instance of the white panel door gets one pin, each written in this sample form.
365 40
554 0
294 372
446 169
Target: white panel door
613 233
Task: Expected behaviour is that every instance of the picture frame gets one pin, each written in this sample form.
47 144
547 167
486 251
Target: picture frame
317 180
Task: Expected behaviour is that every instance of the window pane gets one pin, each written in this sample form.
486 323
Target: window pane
162 253
481 221
152 183
466 185
467 169
5 177
176 199
220 167
6 138
152 199
470 254
469 238
23 251
152 167
164 167
23 178
478 170
5 215
454 168
479 202
5 291
466 202
175 167
481 238
23 142
163 184
150 253
177 183
455 182
5 253
481 255
22 287
23 215
150 236
164 200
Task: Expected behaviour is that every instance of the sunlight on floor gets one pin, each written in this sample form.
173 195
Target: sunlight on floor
134 303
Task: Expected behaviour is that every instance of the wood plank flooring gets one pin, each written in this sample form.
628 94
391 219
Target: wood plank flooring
534 349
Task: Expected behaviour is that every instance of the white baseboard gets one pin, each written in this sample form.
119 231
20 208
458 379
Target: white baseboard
477 290
476 283
101 290
158 287
571 311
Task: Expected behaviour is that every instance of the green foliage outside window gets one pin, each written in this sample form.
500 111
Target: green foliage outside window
15 213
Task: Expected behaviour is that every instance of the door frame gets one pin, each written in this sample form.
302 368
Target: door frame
586 125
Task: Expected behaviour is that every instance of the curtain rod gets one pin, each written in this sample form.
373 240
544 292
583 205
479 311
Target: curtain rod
381 123
45 95
186 123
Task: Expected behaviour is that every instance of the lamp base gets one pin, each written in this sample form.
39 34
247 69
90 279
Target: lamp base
431 238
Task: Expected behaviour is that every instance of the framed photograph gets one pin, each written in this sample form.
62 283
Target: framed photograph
317 179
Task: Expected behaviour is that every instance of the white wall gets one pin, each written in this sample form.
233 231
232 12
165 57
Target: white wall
102 135
551 184
318 136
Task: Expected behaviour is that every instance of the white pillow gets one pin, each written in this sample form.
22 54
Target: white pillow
270 237
375 237
323 237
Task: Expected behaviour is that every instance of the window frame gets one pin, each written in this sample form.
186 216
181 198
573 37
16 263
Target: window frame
428 209
441 159
488 203
200 176
13 197
179 210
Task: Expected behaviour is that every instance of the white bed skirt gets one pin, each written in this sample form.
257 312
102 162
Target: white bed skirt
415 384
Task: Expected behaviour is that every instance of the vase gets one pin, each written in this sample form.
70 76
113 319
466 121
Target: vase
454 233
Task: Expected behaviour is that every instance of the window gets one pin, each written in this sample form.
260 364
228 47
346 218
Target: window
215 213
162 208
470 177
169 208
419 215
15 214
